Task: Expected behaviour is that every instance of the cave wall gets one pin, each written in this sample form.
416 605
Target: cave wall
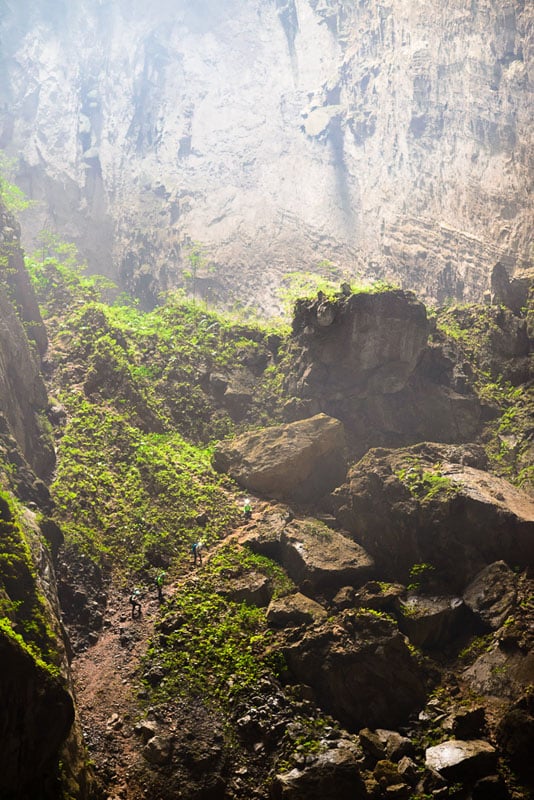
390 138
23 339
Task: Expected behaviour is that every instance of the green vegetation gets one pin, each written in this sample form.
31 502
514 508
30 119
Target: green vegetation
425 484
420 575
297 285
133 497
482 336
11 196
134 460
23 614
231 562
211 645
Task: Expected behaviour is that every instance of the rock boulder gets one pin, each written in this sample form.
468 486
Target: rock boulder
427 504
459 760
300 461
295 609
360 669
492 594
316 557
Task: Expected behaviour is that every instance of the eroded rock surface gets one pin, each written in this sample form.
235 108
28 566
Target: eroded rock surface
316 557
373 368
23 398
461 760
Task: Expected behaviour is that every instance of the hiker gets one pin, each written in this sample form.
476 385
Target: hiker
197 553
136 605
159 585
247 509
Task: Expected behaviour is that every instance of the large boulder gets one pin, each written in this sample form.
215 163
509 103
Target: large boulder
316 558
431 622
367 362
430 504
360 669
459 760
368 344
300 461
293 610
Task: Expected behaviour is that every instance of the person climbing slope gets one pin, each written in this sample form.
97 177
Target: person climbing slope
135 598
160 580
196 549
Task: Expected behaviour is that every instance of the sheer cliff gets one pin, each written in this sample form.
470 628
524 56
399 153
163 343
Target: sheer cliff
390 139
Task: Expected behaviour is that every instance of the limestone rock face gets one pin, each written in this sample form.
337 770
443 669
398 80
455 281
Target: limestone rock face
404 508
17 279
37 713
390 140
299 461
22 392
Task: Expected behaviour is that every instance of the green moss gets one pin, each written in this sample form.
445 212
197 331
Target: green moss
129 498
216 650
22 608
426 484
212 646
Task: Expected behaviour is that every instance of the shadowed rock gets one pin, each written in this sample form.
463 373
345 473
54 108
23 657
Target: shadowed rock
492 594
37 714
360 669
333 775
431 622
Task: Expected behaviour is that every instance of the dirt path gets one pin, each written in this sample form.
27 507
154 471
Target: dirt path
107 686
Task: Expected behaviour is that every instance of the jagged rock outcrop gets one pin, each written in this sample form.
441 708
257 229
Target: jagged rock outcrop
143 132
492 594
23 398
300 461
367 344
420 505
372 367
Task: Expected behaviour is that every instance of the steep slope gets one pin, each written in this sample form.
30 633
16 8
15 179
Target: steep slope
389 140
